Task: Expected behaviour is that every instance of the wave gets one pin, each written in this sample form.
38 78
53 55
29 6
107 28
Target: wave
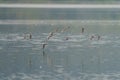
59 76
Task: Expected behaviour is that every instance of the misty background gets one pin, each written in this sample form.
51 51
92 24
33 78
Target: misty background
61 13
63 1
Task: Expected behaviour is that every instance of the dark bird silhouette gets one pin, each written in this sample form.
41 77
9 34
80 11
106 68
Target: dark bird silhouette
30 36
83 30
67 38
43 46
92 37
98 37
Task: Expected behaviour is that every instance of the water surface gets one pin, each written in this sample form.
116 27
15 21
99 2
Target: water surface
77 58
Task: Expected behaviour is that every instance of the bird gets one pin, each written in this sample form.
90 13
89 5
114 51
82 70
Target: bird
43 45
83 30
50 35
65 28
91 38
67 38
98 37
30 36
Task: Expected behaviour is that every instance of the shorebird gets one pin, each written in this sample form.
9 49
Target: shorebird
30 36
50 35
91 38
83 30
98 37
65 28
67 38
43 45
56 30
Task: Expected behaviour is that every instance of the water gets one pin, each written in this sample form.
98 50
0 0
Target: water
70 12
77 58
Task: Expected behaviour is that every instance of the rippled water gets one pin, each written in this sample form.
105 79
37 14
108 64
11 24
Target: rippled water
77 58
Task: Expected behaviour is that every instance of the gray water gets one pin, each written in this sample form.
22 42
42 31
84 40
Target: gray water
77 58
59 13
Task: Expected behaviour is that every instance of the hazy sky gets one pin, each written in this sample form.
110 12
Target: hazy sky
61 1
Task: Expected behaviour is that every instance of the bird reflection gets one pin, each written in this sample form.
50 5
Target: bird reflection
47 59
30 63
43 53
